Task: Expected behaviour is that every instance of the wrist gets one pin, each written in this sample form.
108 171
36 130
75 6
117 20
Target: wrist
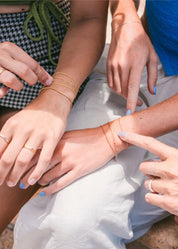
110 131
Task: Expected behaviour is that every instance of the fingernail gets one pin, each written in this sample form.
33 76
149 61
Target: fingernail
155 90
10 183
128 112
21 185
122 134
42 193
32 181
49 82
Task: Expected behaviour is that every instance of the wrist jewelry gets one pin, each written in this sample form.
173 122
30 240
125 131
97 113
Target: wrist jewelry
58 91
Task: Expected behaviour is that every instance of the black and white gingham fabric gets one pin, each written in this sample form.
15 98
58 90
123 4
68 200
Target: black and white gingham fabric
11 29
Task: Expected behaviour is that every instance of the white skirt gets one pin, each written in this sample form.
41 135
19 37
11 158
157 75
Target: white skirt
105 209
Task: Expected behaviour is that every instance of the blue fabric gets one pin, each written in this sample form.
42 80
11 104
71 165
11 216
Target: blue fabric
162 16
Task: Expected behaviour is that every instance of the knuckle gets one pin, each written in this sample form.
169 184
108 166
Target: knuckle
21 162
6 161
25 71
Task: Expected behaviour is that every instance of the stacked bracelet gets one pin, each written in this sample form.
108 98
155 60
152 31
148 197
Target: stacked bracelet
58 91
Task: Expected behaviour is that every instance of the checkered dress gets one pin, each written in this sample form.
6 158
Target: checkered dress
11 29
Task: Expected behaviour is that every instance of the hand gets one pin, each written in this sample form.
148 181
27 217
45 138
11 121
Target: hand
78 153
40 125
129 52
164 173
14 61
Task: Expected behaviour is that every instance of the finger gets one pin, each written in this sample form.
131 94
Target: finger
152 168
152 72
124 77
44 161
63 182
116 81
24 181
20 55
133 87
9 156
156 185
161 150
165 202
23 160
3 91
10 80
21 69
109 75
54 173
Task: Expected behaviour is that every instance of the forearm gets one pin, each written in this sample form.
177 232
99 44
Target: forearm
82 48
154 121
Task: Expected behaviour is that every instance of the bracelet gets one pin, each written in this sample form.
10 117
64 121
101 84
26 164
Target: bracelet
61 84
121 24
49 87
113 149
65 74
114 141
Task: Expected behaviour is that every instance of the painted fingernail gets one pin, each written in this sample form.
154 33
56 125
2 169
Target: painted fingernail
49 82
155 90
32 181
21 185
10 183
42 193
122 134
128 112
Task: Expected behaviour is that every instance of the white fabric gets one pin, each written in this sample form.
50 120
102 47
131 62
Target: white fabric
105 209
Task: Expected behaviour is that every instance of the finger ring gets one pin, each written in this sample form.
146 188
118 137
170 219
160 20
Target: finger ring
2 70
30 148
5 138
149 186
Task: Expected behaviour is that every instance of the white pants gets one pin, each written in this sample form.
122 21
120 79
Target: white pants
105 209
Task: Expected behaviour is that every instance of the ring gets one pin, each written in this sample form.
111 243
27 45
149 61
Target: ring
30 148
149 186
2 70
5 138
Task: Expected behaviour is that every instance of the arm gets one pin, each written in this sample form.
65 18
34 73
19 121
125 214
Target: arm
130 51
42 123
93 144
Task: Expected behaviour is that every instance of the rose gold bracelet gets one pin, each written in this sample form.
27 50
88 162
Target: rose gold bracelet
49 87
113 150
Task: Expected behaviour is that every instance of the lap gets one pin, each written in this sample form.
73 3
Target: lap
107 202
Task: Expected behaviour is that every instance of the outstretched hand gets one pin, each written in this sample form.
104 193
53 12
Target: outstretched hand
162 175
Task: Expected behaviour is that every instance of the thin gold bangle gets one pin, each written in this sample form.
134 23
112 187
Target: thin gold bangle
108 140
49 87
114 141
60 84
65 74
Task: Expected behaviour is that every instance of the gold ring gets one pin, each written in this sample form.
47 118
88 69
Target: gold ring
30 148
2 70
5 138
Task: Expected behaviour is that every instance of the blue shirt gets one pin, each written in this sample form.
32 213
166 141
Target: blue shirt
162 17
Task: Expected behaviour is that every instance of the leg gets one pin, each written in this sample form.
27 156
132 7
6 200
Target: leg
95 211
12 198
